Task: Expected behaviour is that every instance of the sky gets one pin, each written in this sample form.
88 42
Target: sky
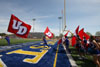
85 13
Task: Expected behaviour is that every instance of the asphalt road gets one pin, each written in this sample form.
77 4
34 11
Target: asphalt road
35 55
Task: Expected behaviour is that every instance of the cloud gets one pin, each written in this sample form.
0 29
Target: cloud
85 1
39 17
86 7
3 20
83 12
79 12
55 31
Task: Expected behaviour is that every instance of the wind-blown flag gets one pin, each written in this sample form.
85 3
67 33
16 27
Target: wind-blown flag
86 36
59 41
18 27
81 33
48 33
77 30
73 40
66 33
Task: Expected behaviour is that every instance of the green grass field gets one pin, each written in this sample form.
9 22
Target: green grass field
3 42
82 63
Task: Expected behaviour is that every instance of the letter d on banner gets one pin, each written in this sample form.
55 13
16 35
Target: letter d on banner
22 30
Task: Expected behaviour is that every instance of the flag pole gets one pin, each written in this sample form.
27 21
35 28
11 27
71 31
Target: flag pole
60 30
33 24
62 22
64 15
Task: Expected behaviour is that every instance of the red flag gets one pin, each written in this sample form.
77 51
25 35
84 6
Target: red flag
60 41
48 33
86 36
18 27
73 40
77 30
81 33
66 33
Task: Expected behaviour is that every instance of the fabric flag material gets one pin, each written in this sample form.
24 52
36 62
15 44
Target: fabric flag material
18 27
86 36
81 33
48 33
77 30
73 40
59 41
66 33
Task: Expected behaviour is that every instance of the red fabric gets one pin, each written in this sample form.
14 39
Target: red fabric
48 33
81 33
77 30
18 27
86 35
82 42
73 40
60 41
87 45
66 33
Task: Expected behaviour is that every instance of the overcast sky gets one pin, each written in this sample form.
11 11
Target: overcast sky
85 13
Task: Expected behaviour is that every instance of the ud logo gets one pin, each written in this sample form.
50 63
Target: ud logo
17 25
49 34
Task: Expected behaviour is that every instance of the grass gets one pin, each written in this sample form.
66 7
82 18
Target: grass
82 63
3 42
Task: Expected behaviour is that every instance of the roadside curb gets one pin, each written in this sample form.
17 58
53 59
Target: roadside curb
72 61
